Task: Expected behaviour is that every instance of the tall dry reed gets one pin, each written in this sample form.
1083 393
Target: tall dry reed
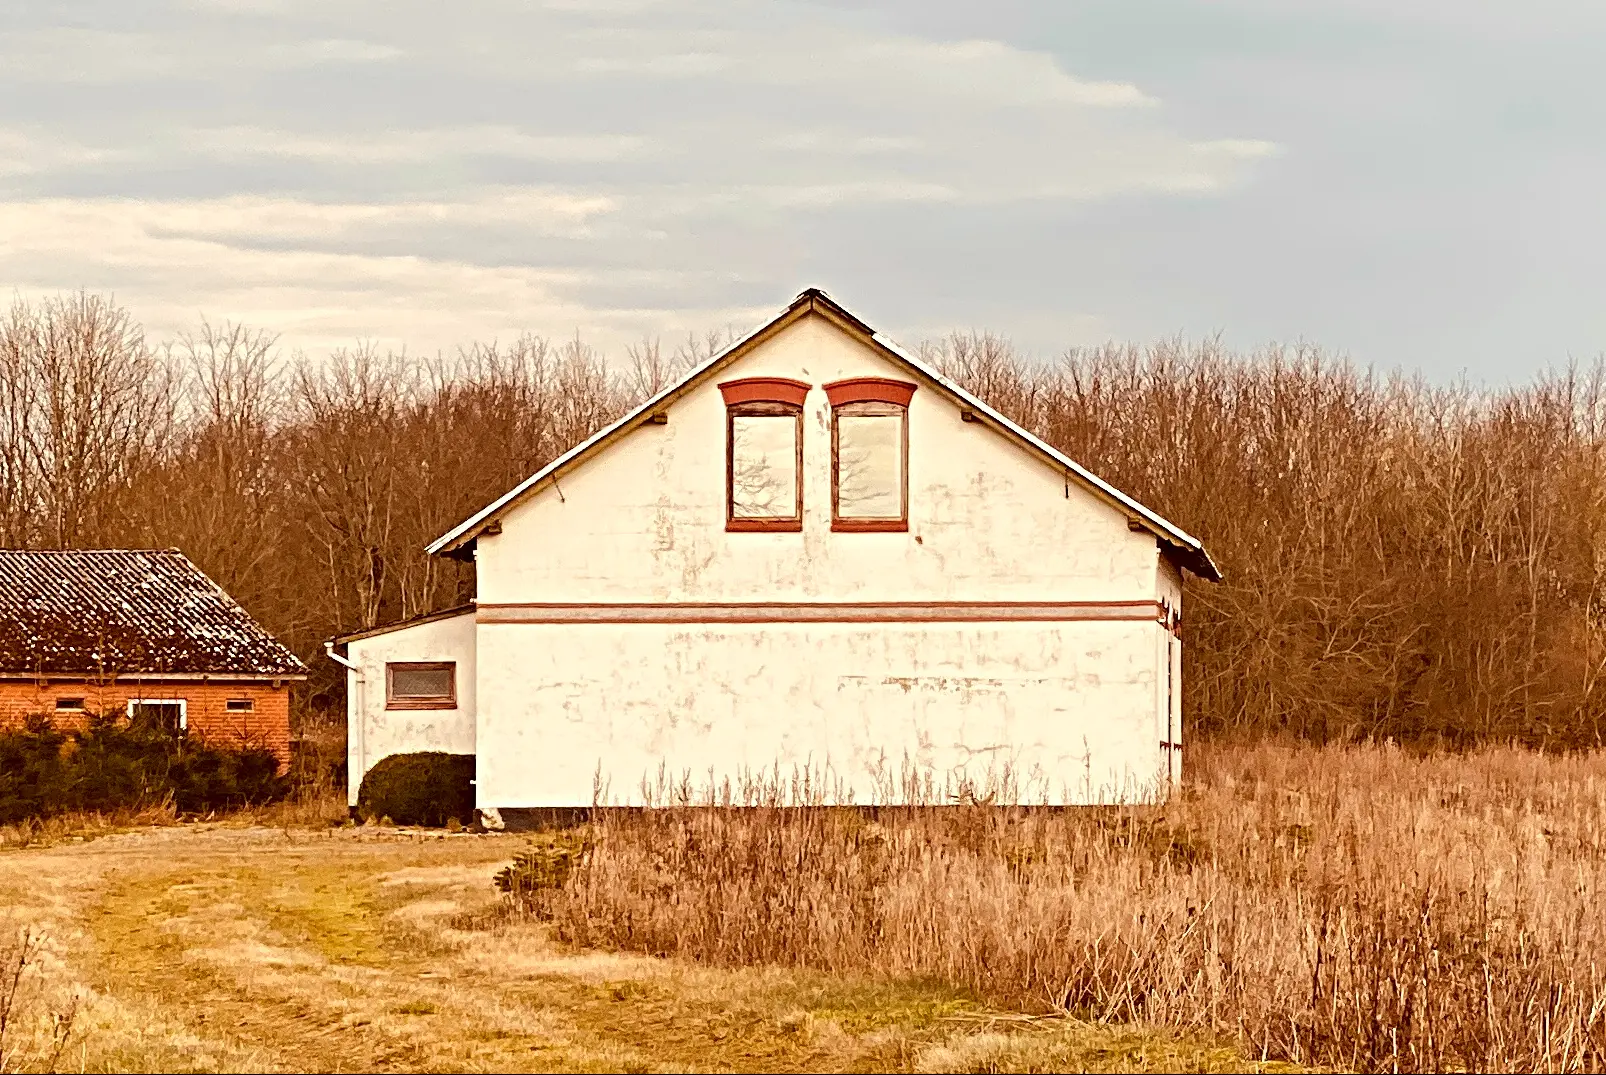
1359 908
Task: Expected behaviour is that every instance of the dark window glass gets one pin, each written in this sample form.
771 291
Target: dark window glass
421 685
166 715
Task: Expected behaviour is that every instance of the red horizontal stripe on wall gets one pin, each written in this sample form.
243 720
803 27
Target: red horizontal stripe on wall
835 612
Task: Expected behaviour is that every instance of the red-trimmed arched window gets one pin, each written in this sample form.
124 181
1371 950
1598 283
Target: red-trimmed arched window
764 453
869 453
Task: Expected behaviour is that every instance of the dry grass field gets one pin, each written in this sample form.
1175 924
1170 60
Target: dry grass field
1360 908
225 947
1352 908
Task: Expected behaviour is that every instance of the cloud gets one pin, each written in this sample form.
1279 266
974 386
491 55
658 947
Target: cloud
406 147
334 50
177 262
406 171
26 152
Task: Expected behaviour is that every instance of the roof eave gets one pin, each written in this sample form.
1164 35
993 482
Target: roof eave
402 625
1190 551
467 531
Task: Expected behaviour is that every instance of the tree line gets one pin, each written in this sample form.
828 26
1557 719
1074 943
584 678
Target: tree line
1402 559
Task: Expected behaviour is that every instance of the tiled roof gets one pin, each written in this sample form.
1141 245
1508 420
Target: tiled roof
126 612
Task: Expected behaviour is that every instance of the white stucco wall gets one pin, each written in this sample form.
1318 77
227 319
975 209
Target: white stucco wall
1077 709
644 520
374 732
1067 708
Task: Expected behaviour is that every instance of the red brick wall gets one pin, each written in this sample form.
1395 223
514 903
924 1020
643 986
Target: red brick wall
207 714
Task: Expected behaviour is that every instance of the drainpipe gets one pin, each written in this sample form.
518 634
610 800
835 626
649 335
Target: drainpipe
354 727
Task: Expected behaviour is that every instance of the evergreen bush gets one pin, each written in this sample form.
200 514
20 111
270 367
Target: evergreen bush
113 763
427 788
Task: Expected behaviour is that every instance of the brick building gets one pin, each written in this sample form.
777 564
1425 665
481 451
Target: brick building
92 630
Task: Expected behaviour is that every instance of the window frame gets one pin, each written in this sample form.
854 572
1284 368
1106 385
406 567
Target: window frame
240 705
869 396
81 707
771 397
415 702
183 711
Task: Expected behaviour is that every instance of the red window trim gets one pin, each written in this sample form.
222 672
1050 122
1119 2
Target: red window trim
870 526
765 390
762 395
889 393
764 526
870 390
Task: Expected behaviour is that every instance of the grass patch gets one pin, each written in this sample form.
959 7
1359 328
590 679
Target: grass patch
224 948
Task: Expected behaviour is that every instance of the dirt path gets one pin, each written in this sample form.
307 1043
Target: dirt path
239 949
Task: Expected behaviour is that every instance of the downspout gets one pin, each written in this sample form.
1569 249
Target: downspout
355 708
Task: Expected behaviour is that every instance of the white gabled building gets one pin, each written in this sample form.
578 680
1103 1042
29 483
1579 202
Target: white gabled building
813 556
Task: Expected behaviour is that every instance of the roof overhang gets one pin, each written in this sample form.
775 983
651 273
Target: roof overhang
1186 550
402 625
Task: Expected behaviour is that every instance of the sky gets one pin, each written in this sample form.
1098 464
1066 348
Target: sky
1416 186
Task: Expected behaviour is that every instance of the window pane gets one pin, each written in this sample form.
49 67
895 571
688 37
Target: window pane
763 466
869 460
421 682
168 716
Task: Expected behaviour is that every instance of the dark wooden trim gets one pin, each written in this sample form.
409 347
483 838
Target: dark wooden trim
870 526
870 390
760 524
765 390
850 524
764 526
826 612
437 702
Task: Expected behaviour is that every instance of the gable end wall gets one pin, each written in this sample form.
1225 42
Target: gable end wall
644 519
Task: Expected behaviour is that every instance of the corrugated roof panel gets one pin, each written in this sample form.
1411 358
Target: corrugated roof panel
126 611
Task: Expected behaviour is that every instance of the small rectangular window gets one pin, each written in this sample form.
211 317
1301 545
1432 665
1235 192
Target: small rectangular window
241 705
69 705
870 453
870 464
764 466
870 459
421 685
170 715
764 453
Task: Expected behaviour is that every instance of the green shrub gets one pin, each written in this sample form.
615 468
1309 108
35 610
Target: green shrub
113 763
540 871
203 780
33 772
429 788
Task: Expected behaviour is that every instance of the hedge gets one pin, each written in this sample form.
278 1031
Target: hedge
427 788
112 763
